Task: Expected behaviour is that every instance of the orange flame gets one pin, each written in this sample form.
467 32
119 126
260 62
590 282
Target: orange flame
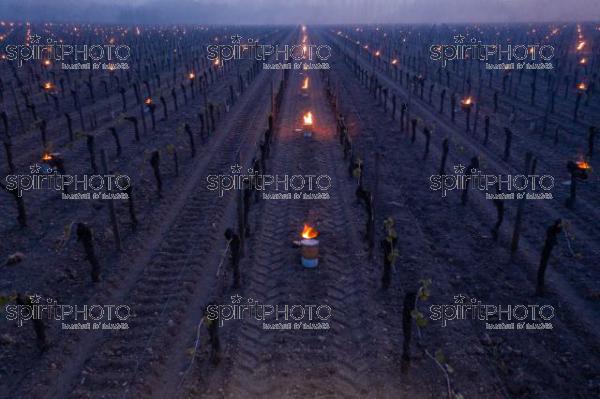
582 86
217 62
46 156
305 84
309 232
47 85
377 53
583 165
394 61
467 101
308 119
148 101
580 45
583 61
191 75
47 62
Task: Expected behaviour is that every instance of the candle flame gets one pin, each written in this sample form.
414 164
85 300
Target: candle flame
308 232
148 101
583 61
47 85
305 84
467 101
46 156
394 61
308 119
581 86
191 75
583 165
580 45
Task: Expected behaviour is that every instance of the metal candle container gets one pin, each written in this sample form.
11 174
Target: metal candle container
309 252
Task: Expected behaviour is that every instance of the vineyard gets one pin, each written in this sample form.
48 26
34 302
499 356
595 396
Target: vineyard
201 193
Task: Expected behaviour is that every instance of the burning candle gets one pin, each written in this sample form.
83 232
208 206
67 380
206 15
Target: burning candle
582 86
467 102
580 45
308 122
582 164
305 84
309 247
191 76
148 101
308 119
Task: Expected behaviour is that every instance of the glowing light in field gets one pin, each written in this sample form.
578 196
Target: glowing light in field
309 232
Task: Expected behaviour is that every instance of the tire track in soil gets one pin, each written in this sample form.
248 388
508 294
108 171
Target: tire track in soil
568 293
145 237
65 289
501 350
303 360
357 357
109 373
418 255
203 210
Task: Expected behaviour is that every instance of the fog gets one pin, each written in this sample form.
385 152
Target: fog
300 11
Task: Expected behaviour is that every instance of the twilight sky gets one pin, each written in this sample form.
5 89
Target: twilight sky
301 11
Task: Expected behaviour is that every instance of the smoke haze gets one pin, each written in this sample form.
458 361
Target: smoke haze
301 11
